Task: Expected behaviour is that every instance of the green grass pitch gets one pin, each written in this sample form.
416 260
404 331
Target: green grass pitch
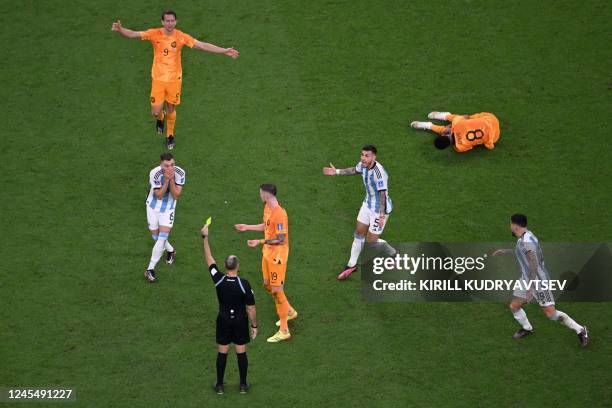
315 81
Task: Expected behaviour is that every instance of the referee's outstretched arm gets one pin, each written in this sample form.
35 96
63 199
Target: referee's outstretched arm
207 254
214 274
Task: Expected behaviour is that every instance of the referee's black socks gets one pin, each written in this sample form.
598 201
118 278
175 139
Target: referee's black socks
221 362
243 365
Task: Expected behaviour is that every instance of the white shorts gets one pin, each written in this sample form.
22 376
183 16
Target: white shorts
543 297
371 218
156 218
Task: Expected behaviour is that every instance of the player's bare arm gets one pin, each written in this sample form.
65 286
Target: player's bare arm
533 265
160 192
249 227
279 240
383 207
127 33
207 253
503 251
175 189
333 171
230 52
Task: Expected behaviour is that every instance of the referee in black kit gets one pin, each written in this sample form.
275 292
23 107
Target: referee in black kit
236 302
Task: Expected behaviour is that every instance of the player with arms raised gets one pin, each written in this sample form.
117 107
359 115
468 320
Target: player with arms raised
375 209
167 181
275 255
465 131
167 71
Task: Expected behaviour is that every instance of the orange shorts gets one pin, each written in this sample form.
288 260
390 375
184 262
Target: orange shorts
165 91
273 270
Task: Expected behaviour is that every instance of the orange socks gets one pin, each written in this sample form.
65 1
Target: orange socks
282 308
170 120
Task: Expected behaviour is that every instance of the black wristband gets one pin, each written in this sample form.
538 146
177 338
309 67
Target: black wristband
204 236
253 327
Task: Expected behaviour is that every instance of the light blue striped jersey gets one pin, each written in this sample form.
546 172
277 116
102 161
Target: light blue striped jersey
156 180
375 180
525 244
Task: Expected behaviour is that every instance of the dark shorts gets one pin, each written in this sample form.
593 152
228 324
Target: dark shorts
234 330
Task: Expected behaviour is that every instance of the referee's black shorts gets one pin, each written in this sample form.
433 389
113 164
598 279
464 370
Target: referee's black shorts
232 330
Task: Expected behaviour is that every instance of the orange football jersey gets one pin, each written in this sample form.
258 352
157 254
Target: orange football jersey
480 128
167 53
276 222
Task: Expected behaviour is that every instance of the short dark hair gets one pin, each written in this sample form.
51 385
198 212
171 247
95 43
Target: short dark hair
166 156
268 188
519 219
369 148
165 13
442 142
231 262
